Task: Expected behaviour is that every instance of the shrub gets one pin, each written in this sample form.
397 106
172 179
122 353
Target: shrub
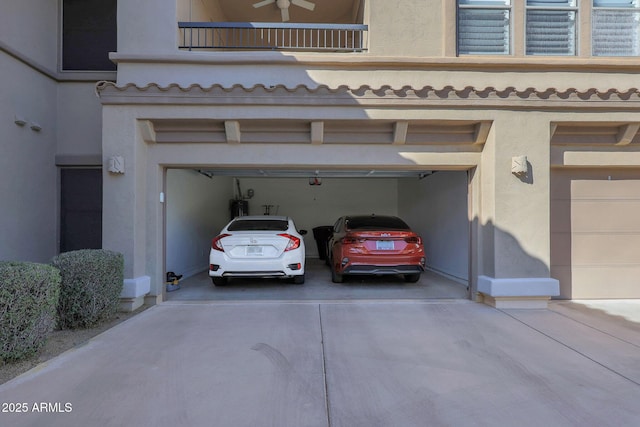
91 286
28 299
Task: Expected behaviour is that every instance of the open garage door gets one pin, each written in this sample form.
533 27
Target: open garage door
200 201
595 233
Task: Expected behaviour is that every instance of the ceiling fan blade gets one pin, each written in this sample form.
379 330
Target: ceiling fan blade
304 3
285 14
263 3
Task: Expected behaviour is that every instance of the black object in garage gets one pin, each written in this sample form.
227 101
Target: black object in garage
239 208
321 234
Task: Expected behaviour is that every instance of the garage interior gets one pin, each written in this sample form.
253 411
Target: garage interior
433 203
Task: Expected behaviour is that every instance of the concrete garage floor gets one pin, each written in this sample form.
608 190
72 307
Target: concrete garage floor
318 287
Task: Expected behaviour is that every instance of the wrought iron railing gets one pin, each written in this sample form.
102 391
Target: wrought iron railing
273 36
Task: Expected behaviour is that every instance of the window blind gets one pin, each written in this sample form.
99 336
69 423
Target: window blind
551 32
615 28
551 27
483 30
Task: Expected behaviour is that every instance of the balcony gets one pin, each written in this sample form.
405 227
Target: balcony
309 37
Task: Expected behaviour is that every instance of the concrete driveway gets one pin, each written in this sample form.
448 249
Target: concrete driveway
349 364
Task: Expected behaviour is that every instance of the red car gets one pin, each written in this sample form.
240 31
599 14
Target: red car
374 244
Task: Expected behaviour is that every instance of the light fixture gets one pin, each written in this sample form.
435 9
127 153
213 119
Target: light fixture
35 127
20 121
116 165
519 166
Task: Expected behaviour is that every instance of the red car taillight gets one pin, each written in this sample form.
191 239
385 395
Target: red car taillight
215 243
348 240
294 242
413 239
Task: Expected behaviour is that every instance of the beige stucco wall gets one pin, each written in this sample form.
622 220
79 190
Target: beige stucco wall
30 27
521 205
407 28
79 118
147 26
28 218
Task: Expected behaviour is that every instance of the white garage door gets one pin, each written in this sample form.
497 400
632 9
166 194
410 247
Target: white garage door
595 233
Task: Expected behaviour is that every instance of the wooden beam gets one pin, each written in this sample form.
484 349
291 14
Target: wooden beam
482 132
626 133
232 129
317 133
400 130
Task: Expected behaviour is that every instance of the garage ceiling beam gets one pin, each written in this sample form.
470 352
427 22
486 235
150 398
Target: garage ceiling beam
627 133
482 133
400 130
317 132
232 129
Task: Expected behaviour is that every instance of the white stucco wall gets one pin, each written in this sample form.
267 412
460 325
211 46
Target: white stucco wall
195 213
436 208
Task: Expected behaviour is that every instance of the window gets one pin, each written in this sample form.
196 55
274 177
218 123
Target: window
80 209
551 27
88 35
258 224
484 27
615 28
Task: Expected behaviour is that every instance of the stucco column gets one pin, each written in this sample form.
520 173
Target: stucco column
157 18
124 197
515 211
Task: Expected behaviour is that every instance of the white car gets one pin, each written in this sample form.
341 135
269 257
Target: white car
258 246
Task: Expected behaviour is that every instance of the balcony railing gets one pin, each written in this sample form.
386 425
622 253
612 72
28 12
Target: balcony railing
273 36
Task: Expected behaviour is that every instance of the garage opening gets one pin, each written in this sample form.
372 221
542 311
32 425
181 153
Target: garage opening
199 202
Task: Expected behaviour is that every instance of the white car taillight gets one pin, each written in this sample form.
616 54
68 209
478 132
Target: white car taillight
215 243
294 242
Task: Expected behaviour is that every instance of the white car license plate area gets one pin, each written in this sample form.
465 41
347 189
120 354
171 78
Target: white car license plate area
254 251
384 245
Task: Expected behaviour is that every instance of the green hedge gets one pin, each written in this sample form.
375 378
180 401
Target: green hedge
91 286
28 300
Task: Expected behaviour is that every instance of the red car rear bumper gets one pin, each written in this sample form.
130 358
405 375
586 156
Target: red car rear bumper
406 264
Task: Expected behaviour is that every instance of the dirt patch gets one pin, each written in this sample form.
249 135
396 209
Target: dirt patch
59 342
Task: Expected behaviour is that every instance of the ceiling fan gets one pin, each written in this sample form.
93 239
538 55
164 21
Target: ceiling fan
284 6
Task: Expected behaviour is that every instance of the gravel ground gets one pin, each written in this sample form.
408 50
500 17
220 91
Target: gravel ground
59 342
